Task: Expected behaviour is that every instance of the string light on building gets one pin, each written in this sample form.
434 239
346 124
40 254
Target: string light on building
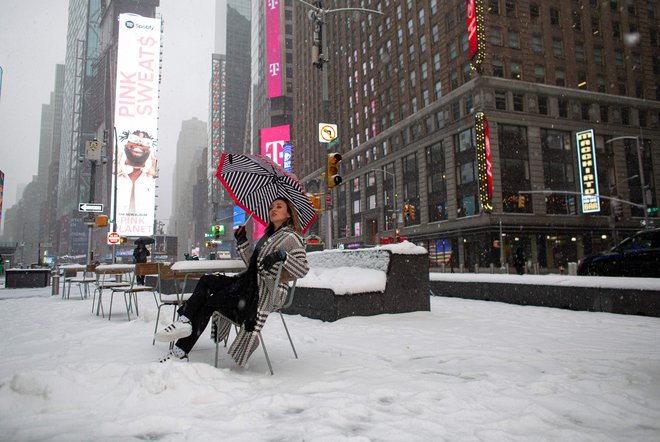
476 33
484 163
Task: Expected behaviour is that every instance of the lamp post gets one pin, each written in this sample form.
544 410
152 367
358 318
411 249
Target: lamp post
641 171
396 214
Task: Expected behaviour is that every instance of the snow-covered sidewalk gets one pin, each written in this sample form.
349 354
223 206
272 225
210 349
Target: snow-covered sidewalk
466 371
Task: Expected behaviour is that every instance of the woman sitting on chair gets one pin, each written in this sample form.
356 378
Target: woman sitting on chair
246 298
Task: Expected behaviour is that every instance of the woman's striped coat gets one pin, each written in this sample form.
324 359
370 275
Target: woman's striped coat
295 266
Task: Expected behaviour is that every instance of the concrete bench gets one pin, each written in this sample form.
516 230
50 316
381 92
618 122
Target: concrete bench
363 282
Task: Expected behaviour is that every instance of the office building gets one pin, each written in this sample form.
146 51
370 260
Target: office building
469 147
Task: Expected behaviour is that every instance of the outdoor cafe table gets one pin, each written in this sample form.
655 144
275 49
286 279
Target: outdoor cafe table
191 269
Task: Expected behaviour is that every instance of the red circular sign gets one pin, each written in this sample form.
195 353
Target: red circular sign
113 238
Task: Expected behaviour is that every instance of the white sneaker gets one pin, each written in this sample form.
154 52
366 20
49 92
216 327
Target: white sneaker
171 357
174 331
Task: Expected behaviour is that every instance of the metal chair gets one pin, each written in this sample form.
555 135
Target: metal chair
220 322
108 277
175 300
83 281
130 292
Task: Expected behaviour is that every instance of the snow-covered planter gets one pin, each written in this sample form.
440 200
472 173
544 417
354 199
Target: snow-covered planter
363 282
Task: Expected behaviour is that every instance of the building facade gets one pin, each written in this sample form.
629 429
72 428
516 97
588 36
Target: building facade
410 103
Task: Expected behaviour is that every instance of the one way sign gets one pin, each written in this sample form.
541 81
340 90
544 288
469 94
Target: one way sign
90 207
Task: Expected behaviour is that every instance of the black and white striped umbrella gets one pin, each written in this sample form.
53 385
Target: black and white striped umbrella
254 181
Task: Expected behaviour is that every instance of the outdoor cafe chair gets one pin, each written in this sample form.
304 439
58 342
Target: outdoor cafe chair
175 300
82 279
130 292
107 277
222 323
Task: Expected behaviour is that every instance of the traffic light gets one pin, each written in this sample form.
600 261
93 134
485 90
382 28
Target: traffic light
101 220
123 239
333 170
406 210
412 211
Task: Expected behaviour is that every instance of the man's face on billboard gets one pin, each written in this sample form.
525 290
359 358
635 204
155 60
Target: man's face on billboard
137 149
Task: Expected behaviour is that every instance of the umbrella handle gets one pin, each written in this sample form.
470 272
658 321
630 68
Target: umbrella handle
245 223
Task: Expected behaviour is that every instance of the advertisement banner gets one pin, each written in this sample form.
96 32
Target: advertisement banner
136 125
274 48
272 142
586 153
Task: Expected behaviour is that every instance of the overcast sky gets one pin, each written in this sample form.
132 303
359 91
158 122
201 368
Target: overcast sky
33 41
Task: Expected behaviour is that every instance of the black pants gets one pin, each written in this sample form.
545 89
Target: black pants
213 292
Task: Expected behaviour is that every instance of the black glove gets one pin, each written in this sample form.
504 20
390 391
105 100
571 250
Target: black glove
270 260
241 235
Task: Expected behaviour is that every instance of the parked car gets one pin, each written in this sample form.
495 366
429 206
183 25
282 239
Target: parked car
637 255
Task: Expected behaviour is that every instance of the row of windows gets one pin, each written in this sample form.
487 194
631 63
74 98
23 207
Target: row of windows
559 174
510 8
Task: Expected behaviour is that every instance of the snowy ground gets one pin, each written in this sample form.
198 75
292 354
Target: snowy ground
466 371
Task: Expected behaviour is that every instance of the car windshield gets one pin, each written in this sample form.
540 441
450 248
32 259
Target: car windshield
641 241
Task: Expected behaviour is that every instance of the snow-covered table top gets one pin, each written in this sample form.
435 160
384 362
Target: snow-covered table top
556 280
113 267
209 266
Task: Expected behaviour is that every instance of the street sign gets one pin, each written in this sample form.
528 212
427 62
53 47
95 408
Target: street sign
327 132
113 238
90 207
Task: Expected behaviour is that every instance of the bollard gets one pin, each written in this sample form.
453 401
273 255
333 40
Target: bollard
476 268
55 283
492 268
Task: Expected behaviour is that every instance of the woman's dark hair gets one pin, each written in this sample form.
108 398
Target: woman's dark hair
293 221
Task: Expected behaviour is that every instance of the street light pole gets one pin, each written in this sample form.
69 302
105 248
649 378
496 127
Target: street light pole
641 172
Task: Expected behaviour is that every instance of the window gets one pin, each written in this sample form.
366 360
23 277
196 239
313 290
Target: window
495 37
600 83
577 21
514 40
424 70
500 100
518 102
585 110
562 107
438 90
435 34
534 11
554 17
543 105
516 73
579 51
560 77
494 7
450 21
510 7
616 29
498 68
582 80
539 74
436 182
537 44
436 61
598 55
464 140
466 173
618 58
595 25
452 50
557 48
604 113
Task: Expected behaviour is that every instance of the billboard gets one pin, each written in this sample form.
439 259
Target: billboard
273 140
586 153
136 125
274 48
